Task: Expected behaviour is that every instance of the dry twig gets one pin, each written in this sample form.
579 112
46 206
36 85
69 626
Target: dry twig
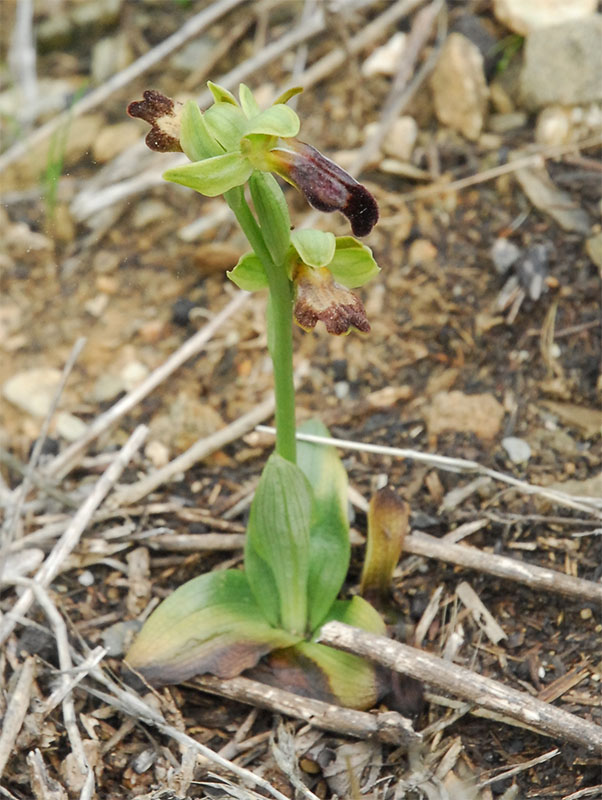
16 710
388 726
52 566
484 692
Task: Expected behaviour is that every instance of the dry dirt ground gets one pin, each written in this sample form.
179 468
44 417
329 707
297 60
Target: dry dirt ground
128 281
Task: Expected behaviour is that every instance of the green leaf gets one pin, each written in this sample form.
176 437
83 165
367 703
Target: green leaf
315 248
248 102
249 273
286 96
213 176
209 624
388 522
353 264
353 681
329 533
277 545
195 139
221 95
272 213
278 120
357 612
227 124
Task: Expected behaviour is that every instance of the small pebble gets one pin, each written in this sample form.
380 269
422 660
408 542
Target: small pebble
86 578
517 449
33 390
503 254
69 426
133 374
586 613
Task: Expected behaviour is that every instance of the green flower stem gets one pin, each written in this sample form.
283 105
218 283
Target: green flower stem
280 336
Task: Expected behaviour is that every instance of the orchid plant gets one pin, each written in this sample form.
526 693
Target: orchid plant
264 619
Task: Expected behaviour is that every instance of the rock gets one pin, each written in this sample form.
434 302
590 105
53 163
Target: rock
553 126
460 92
384 60
192 54
524 16
110 55
533 269
518 450
503 123
421 250
480 414
401 138
157 453
69 426
148 212
106 388
503 254
117 638
33 390
114 139
133 374
593 247
547 197
563 64
97 305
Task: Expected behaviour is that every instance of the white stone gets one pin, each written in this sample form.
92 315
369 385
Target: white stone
518 450
401 138
460 91
553 126
157 453
33 390
69 426
133 374
384 60
524 16
563 64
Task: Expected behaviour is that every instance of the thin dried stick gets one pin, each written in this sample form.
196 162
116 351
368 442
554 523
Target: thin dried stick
13 515
16 710
464 683
549 580
399 94
130 703
66 460
387 726
197 452
66 665
536 159
508 773
189 30
22 60
63 547
450 464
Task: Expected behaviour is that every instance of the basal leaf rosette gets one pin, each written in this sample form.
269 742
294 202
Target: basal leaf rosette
231 140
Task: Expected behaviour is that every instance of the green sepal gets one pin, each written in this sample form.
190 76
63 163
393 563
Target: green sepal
221 95
315 248
227 124
195 139
278 120
272 213
248 102
277 544
352 264
249 273
329 549
213 176
286 96
209 624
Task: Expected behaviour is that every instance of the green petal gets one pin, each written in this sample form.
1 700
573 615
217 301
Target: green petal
248 102
277 545
213 176
329 532
209 624
352 264
249 274
278 120
195 139
227 124
315 248
221 95
272 213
